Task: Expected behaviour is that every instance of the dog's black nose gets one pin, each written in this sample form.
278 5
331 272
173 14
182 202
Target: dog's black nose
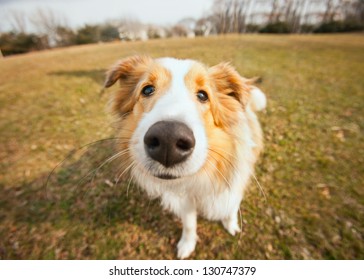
169 142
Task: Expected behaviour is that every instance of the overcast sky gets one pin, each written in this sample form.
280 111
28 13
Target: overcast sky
79 12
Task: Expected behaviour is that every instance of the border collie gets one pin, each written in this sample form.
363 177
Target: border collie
188 135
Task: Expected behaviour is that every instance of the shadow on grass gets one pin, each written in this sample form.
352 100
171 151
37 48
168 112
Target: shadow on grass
82 192
97 75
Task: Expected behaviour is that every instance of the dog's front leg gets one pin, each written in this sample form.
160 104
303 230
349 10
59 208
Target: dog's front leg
187 243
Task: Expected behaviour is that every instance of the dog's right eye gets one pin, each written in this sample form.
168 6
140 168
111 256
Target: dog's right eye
148 90
202 96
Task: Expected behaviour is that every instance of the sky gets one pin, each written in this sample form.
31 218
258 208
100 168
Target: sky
79 12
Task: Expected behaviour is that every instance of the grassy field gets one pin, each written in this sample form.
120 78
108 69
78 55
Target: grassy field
312 169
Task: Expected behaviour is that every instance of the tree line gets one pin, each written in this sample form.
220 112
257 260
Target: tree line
288 16
225 16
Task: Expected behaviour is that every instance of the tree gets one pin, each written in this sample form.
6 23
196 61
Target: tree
18 21
109 33
47 22
64 36
232 15
88 34
204 27
342 16
353 12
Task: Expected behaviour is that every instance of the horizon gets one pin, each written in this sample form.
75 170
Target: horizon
101 11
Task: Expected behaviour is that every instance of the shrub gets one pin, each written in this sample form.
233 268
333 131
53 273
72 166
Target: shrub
339 26
307 28
16 43
88 34
276 27
65 36
109 33
252 28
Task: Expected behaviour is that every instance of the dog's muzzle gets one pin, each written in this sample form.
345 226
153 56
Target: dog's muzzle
169 142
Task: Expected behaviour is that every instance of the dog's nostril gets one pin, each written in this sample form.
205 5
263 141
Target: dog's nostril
153 143
184 144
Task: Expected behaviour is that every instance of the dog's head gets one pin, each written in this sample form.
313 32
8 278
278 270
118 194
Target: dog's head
178 118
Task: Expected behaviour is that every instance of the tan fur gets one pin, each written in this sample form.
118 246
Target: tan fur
127 104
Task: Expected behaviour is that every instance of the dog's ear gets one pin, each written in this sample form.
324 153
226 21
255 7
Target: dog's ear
232 92
130 68
228 82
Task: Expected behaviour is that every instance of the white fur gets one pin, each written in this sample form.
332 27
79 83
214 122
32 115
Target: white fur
258 99
175 105
195 193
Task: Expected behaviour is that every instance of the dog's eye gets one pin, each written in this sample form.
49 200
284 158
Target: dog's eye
202 96
148 90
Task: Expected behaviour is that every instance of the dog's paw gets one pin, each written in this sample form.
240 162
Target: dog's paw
231 226
185 247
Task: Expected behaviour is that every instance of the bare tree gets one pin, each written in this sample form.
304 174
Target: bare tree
353 11
221 10
274 14
205 27
293 13
358 11
240 13
231 15
131 29
330 10
18 21
46 22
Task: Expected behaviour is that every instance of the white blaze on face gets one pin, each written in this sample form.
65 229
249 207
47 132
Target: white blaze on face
176 104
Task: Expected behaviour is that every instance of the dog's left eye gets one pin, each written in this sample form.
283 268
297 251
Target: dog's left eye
148 90
202 96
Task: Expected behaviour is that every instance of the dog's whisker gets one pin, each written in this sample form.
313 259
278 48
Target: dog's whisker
110 159
72 153
133 175
117 179
128 186
240 222
222 175
225 152
212 183
209 175
252 173
125 170
227 160
96 169
124 115
227 204
259 185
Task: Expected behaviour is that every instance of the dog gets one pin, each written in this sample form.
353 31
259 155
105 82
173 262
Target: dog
188 135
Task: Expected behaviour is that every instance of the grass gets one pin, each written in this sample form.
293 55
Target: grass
312 169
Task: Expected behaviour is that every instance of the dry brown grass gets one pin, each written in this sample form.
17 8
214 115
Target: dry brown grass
312 169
